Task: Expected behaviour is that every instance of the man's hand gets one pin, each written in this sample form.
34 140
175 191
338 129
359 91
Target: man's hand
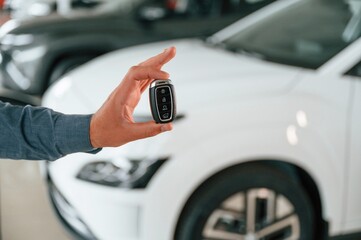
113 124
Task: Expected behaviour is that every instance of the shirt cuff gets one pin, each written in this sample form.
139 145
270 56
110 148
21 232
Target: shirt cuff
72 134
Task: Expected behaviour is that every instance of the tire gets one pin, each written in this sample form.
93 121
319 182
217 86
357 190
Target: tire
18 98
246 202
66 66
13 101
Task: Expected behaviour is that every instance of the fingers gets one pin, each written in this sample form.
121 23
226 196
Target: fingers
150 69
150 129
160 59
146 73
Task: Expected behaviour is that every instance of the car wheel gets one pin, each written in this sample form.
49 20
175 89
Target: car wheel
257 202
66 66
13 101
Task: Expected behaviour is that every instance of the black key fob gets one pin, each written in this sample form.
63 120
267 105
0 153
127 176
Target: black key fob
162 101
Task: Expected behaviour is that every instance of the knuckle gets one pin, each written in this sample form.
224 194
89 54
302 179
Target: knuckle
133 71
133 68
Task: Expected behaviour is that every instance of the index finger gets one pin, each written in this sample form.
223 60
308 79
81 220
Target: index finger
160 59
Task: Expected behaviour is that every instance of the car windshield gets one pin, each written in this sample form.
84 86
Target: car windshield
306 34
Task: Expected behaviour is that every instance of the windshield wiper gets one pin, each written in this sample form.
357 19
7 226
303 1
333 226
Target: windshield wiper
238 50
251 54
245 51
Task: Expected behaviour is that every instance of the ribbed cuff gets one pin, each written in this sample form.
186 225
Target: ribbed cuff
72 134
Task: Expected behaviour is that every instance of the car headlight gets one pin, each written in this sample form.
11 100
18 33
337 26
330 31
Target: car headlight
129 174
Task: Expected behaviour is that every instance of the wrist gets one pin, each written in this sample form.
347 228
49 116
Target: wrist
93 133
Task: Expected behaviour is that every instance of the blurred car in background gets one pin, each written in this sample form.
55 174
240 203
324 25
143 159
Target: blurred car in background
266 145
25 9
38 52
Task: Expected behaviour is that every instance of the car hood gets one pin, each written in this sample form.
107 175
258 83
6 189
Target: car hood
202 75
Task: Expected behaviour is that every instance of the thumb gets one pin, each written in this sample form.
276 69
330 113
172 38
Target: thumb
150 129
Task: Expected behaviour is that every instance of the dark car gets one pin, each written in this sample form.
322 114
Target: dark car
36 53
34 8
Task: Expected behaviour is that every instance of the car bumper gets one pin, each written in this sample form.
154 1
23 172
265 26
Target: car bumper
67 214
89 211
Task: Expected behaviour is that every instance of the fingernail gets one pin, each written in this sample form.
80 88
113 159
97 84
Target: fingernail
166 127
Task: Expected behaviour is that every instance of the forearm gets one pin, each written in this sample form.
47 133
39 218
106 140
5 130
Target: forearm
38 133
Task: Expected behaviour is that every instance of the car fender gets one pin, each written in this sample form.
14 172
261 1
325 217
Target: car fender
56 51
256 139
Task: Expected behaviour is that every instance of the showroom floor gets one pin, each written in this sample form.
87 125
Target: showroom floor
25 212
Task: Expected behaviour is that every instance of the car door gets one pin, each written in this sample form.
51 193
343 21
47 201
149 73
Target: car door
353 174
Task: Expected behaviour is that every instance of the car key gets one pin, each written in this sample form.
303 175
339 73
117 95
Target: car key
162 101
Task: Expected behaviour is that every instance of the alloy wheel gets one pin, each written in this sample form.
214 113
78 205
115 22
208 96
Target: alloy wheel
256 214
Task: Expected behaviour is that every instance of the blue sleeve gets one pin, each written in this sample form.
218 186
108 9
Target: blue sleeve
37 133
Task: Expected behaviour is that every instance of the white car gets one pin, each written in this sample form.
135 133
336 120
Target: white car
267 143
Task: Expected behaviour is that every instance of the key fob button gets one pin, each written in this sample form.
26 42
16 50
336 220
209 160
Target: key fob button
163 99
163 91
166 115
164 108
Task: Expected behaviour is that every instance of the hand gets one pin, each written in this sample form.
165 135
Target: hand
113 124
